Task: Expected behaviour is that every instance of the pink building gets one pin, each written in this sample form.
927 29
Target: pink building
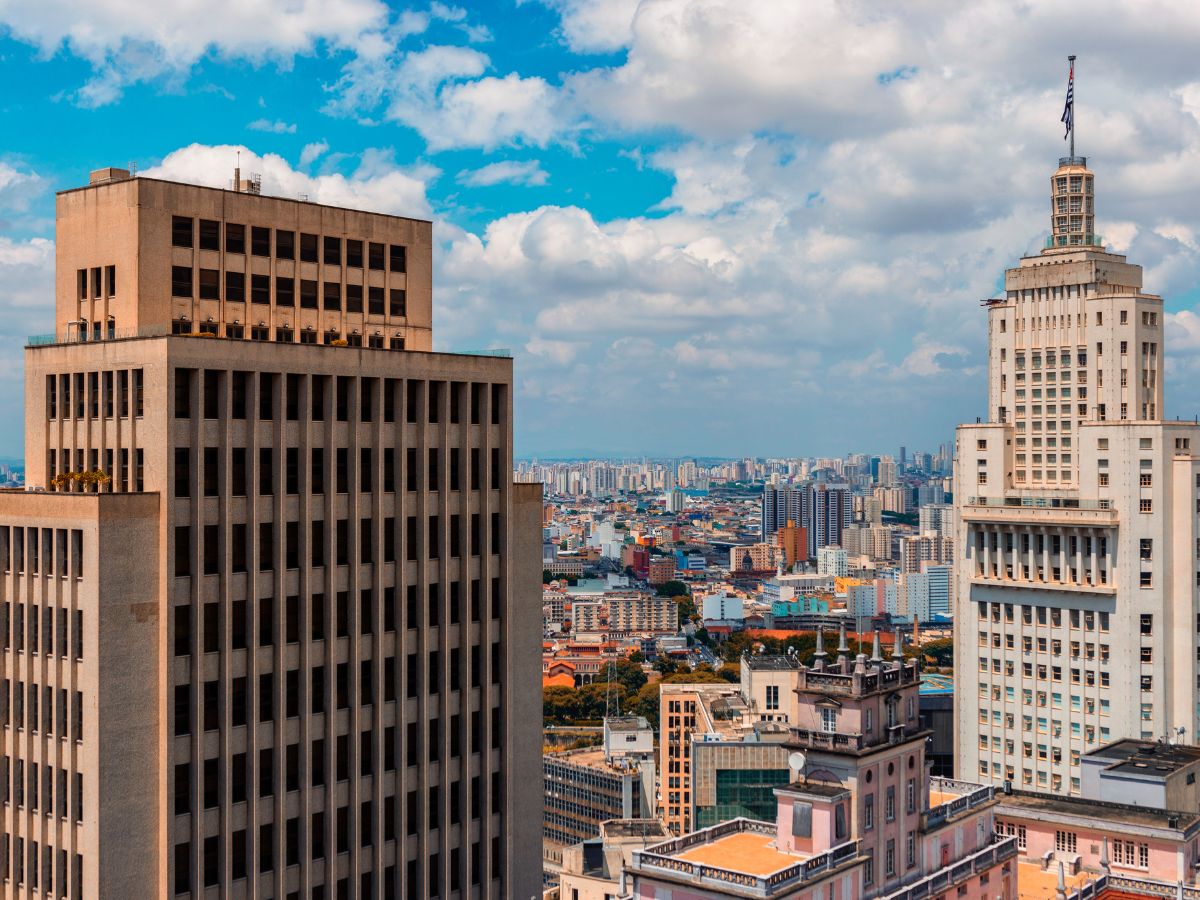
1137 820
861 819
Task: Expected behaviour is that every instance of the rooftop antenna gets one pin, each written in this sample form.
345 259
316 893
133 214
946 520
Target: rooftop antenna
237 172
1068 116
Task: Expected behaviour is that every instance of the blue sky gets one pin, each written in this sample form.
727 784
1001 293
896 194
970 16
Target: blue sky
702 226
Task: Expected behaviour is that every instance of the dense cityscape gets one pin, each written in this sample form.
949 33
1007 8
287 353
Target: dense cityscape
284 583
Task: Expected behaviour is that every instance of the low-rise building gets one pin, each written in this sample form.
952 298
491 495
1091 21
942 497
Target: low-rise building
595 869
586 787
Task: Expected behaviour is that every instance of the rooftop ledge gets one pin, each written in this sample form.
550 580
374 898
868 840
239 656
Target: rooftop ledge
128 334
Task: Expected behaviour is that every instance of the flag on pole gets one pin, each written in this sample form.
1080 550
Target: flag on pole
1068 116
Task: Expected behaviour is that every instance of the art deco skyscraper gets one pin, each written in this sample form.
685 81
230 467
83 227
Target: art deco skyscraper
1077 557
289 648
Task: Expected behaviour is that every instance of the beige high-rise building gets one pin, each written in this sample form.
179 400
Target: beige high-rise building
1076 520
286 645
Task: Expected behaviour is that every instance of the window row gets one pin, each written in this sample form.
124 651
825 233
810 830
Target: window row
206 285
122 470
333 251
41 620
43 870
96 283
41 551
340 395
440 607
42 708
287 335
237 554
41 788
369 883
321 767
345 692
96 395
218 472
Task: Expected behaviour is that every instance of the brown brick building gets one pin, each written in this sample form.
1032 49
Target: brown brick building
289 648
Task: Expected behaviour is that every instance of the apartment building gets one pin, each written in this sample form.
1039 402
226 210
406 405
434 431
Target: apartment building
267 610
1076 512
859 815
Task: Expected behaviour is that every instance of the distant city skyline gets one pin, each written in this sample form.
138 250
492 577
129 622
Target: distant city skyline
738 238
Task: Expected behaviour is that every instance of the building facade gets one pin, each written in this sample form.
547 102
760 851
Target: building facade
860 816
267 630
1076 512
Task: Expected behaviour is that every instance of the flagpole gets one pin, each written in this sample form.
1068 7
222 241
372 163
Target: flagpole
1071 59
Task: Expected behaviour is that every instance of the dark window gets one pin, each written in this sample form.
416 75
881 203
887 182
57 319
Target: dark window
235 287
375 256
333 251
181 231
181 281
285 291
397 258
354 298
266 621
235 238
354 254
260 241
260 288
210 235
399 304
183 472
375 301
308 294
333 295
317 616
210 284
266 477
285 244
308 248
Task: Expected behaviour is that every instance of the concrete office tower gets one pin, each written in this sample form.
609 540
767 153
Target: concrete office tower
289 649
1076 598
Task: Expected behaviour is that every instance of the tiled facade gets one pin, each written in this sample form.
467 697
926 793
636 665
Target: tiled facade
309 602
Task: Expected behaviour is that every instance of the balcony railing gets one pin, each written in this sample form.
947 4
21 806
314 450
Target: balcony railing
970 796
825 740
1039 502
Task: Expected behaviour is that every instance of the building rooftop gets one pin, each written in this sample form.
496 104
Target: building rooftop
772 663
626 723
1031 803
633 828
748 852
129 178
1150 758
742 858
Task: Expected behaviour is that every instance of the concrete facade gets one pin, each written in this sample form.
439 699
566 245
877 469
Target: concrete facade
1076 516
308 588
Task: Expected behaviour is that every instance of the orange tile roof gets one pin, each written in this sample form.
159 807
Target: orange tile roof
754 854
1036 883
563 680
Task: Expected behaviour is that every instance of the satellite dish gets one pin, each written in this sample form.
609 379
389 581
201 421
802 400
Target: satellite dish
796 761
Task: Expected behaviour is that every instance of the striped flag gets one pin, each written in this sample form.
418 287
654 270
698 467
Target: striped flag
1068 116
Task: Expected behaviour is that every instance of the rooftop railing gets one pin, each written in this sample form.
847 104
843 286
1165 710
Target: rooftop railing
970 796
661 858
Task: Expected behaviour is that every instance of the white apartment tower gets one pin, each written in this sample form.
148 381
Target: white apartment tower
1076 616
